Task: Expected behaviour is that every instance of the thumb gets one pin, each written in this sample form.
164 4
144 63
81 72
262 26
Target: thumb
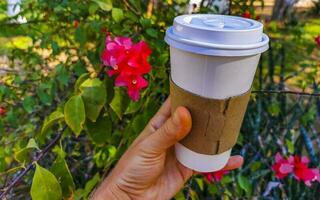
173 130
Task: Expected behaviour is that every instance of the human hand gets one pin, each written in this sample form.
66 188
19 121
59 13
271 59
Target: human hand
149 168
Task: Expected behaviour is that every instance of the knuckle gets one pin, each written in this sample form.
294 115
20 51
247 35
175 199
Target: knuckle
169 129
151 127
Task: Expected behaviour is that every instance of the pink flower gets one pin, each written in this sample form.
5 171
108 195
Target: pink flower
301 170
296 165
133 82
316 174
129 62
115 52
246 14
215 176
317 40
282 166
138 60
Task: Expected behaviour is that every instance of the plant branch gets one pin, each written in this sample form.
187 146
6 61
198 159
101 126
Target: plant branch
286 92
30 166
150 8
127 4
8 70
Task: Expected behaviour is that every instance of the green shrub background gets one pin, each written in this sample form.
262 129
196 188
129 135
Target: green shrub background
55 67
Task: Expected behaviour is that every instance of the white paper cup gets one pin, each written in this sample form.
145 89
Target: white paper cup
214 56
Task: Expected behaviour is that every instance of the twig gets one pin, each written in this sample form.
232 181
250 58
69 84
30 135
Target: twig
130 7
286 92
8 70
150 8
30 166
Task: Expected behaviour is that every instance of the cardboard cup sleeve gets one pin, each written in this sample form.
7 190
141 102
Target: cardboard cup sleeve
216 123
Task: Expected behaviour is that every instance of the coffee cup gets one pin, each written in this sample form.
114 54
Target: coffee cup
213 63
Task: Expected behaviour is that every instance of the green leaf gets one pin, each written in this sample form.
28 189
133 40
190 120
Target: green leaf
45 98
138 123
274 109
179 196
81 36
59 151
51 120
146 23
290 146
93 7
200 182
240 139
61 171
255 166
32 144
112 151
245 184
46 92
133 107
100 131
104 4
117 14
3 164
94 95
226 180
83 193
45 185
213 189
79 68
137 4
79 81
62 74
109 88
74 113
78 194
55 48
91 184
119 102
28 104
152 32
23 155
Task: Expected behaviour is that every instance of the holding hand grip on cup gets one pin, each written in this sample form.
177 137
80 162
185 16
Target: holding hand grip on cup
213 62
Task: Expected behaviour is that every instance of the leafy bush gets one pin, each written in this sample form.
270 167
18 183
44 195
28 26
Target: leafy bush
56 78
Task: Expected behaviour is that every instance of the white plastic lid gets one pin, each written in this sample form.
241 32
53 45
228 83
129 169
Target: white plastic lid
219 35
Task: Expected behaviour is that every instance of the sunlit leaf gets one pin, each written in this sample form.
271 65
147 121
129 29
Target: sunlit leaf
80 80
74 113
133 107
32 144
117 14
61 171
51 120
23 155
104 4
94 95
119 102
245 184
45 185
